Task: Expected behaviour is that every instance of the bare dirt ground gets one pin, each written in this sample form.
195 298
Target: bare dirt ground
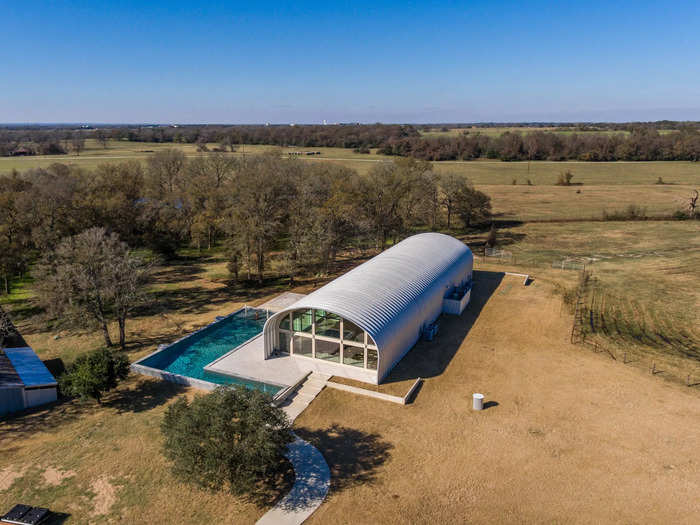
567 436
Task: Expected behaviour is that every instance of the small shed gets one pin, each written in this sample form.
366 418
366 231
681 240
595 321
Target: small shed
25 381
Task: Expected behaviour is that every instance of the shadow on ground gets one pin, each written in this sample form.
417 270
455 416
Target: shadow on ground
353 456
146 394
430 358
138 395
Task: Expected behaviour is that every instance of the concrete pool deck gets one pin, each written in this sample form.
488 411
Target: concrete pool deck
248 362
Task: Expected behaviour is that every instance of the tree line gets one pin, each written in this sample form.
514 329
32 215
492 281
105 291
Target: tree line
270 213
592 142
642 144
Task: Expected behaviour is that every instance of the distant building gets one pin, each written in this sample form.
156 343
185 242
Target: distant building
25 381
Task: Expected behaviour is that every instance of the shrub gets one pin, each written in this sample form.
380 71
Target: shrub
515 182
529 182
565 178
631 213
94 373
232 438
660 181
492 239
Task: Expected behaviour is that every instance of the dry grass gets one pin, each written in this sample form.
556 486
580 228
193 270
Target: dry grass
569 436
575 437
102 464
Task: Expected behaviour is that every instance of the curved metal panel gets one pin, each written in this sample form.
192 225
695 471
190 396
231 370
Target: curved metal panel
393 295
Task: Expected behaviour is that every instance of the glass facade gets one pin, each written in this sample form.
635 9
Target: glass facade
302 345
327 324
303 320
324 335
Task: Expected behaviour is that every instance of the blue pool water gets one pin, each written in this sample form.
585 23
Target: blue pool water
189 356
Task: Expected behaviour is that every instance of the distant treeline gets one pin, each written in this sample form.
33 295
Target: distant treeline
586 142
642 144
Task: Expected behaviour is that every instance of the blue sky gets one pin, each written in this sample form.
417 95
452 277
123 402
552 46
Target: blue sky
246 62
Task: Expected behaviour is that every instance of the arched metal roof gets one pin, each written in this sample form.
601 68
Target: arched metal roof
389 288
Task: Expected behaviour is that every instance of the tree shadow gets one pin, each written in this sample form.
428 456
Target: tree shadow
43 418
353 456
274 487
430 358
145 395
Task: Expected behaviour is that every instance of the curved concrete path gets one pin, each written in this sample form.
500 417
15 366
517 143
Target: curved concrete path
312 480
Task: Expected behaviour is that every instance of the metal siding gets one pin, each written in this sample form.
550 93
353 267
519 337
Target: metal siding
392 295
39 396
11 400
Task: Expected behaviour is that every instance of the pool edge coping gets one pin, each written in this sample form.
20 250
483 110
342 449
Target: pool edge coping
139 367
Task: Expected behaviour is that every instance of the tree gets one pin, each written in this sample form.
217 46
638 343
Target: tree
101 136
77 143
255 217
232 438
693 204
379 196
6 327
165 173
473 206
95 373
92 278
452 186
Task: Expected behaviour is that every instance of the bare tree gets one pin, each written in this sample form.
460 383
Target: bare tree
693 204
77 143
452 188
92 278
6 327
101 136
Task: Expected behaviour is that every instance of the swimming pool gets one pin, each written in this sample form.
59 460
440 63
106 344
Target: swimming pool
188 356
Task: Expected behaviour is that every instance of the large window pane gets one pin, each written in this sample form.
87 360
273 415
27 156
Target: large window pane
371 359
327 324
284 322
302 320
328 350
283 342
352 332
354 355
302 345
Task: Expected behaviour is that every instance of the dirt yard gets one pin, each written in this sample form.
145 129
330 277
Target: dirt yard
567 435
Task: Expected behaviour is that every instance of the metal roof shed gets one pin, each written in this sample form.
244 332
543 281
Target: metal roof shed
24 380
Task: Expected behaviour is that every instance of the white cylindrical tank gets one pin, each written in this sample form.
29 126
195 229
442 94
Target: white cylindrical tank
478 401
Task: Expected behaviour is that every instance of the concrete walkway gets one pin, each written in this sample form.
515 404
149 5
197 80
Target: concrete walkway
310 486
312 475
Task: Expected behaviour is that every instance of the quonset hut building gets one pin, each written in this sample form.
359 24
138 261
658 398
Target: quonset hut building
362 323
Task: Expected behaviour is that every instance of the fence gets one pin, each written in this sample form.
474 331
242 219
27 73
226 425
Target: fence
502 255
569 264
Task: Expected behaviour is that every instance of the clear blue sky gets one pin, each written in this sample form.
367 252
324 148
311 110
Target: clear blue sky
243 62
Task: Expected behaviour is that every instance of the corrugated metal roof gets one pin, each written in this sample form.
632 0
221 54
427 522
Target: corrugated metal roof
29 367
8 374
376 293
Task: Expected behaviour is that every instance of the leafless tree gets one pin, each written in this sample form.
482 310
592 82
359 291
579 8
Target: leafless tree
77 143
92 278
6 327
693 204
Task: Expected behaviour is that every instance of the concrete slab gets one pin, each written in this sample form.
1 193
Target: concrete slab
282 301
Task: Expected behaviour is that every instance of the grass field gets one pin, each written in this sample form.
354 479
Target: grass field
569 435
